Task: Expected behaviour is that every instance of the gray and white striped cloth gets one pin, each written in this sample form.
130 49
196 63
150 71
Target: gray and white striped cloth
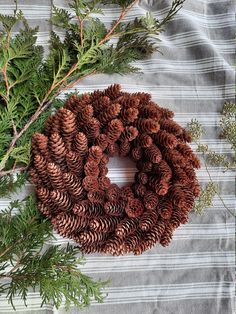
193 76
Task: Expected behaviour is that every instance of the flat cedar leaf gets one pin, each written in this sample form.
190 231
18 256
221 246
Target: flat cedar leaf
10 184
21 154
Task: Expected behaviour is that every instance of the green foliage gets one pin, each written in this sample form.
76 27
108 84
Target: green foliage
206 197
26 264
210 157
228 124
12 183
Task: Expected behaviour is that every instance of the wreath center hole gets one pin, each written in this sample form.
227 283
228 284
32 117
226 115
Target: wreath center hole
121 170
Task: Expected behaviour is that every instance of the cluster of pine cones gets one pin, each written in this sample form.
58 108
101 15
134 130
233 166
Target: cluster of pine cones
69 170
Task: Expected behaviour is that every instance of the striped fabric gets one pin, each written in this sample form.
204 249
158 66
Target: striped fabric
193 76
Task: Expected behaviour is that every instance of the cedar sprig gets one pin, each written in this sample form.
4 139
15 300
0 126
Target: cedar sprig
25 264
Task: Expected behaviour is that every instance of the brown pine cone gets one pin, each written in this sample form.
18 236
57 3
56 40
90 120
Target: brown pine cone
145 140
62 200
90 183
40 164
44 195
97 196
58 150
102 141
145 166
95 154
40 145
126 226
167 235
55 176
35 177
91 168
153 154
80 144
46 211
114 246
66 224
114 129
171 126
112 149
165 139
129 115
74 163
148 126
148 220
69 128
127 193
73 185
104 224
133 241
115 208
139 189
129 134
166 208
104 182
141 177
150 200
134 208
88 209
92 129
137 153
113 192
91 237
124 148
151 111
109 113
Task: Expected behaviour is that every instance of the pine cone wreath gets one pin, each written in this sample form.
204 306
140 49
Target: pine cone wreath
69 171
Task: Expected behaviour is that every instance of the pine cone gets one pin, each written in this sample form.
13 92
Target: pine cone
134 208
145 140
148 126
148 220
80 144
113 192
124 148
150 200
126 226
141 177
66 224
102 141
88 209
153 154
115 208
165 139
114 130
104 224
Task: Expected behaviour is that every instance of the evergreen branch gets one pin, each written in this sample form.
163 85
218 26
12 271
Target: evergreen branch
54 272
12 171
121 17
175 7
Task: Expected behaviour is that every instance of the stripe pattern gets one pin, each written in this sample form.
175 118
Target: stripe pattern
193 76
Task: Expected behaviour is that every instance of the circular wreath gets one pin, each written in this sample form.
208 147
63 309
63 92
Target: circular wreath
69 170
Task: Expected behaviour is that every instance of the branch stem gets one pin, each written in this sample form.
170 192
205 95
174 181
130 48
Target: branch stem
122 15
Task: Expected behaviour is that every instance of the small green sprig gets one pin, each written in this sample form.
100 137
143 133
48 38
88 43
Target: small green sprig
25 264
228 131
206 198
